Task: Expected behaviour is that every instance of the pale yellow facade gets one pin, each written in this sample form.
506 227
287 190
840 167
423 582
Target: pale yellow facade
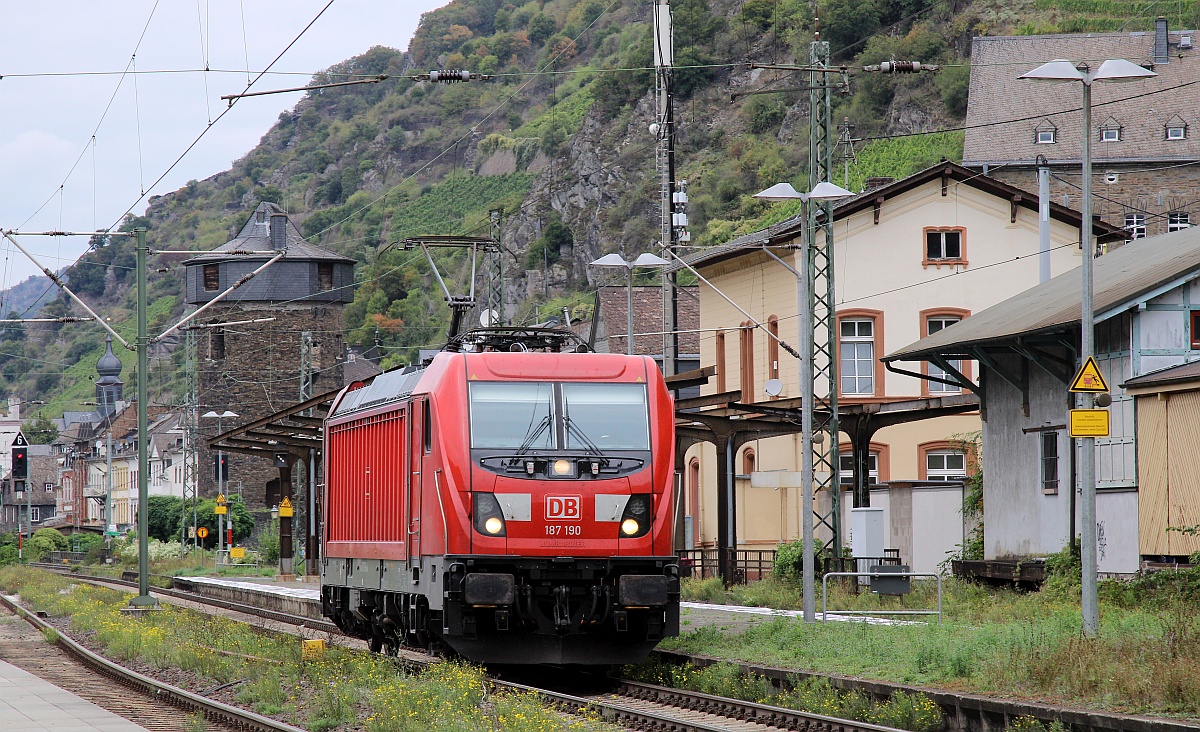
883 276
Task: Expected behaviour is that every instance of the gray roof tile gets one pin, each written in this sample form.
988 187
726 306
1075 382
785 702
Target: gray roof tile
1142 107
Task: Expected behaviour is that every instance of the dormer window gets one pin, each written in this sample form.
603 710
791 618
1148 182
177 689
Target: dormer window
1045 133
1110 131
1175 129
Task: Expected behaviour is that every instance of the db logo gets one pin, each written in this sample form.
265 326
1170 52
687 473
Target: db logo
564 508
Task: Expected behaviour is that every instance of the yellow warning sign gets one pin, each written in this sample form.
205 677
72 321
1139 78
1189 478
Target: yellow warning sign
1089 378
285 508
1089 423
221 498
222 506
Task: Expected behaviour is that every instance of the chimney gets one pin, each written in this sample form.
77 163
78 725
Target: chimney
1161 47
872 183
278 231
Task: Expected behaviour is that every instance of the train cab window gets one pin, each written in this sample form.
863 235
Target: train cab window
606 416
427 426
512 415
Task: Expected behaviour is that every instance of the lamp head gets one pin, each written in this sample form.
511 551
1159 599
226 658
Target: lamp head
780 192
1059 69
826 191
646 259
610 260
1118 69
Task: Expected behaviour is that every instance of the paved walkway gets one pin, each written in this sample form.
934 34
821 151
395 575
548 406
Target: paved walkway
30 704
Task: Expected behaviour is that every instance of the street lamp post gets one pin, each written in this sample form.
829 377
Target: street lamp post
220 475
1112 70
645 259
824 191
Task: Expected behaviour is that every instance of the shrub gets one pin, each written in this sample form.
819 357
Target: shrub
789 559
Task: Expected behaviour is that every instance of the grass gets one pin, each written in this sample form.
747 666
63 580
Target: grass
1146 659
345 688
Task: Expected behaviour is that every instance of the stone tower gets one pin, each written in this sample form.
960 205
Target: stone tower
253 368
109 387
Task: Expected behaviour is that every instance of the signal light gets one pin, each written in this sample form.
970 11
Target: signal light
20 463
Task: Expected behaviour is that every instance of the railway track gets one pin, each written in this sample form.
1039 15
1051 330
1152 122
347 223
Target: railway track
624 703
155 705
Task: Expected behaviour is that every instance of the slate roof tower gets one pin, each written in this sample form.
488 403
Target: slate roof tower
253 368
109 387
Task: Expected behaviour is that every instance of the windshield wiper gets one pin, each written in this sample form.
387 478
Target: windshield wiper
591 446
533 435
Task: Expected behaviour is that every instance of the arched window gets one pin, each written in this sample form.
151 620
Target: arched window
720 348
748 461
746 353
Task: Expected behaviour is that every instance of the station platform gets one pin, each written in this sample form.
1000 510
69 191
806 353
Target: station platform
305 600
31 704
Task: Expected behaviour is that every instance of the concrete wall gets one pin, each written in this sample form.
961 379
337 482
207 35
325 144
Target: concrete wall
1020 520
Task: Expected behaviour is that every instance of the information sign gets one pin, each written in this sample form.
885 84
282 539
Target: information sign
1089 423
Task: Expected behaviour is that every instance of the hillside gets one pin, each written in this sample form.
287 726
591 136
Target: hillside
558 140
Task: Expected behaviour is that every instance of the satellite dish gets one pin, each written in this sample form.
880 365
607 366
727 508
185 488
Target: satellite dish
773 387
488 318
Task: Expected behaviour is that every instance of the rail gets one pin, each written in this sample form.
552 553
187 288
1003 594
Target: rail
212 710
825 612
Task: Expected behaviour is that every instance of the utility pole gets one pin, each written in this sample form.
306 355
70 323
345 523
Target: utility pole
664 129
306 393
494 273
846 140
189 424
820 393
143 599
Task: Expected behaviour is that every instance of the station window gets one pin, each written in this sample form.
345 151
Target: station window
934 324
846 469
1177 132
857 352
945 465
1135 226
325 275
35 513
212 277
945 246
1049 462
1046 137
1177 220
1195 336
746 353
1110 133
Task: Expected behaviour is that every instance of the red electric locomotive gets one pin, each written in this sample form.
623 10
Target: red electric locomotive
516 507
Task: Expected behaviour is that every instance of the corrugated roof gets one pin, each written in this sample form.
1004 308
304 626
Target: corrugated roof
1119 278
996 96
254 242
1171 375
791 228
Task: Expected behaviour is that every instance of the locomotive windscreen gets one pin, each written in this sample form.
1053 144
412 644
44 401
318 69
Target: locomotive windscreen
610 416
512 415
540 416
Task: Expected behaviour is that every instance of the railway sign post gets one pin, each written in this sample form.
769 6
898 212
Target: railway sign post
1088 380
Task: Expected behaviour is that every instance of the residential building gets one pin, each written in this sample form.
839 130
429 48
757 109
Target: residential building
1147 325
1145 134
913 257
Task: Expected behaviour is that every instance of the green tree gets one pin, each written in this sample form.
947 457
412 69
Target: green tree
163 517
40 430
555 240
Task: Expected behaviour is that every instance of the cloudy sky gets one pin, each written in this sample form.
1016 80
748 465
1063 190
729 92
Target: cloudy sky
81 141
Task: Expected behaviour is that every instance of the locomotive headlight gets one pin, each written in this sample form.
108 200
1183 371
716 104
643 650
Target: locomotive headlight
635 521
562 468
489 517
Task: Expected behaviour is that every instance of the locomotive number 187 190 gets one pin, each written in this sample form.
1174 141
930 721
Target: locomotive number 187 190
561 530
